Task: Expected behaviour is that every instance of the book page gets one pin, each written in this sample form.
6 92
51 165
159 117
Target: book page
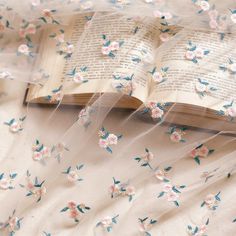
182 77
48 60
127 60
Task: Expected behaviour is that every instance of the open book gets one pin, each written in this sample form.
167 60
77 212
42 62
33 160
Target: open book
195 70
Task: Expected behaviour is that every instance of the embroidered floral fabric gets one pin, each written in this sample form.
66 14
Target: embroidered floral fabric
102 171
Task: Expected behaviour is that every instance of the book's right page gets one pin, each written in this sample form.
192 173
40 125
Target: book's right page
199 70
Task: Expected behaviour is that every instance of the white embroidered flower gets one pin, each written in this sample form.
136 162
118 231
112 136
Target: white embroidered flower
103 143
165 15
201 87
157 113
112 139
5 75
157 77
24 49
5 183
233 17
86 5
232 67
72 176
204 5
47 13
69 49
107 222
199 52
35 3
190 55
175 137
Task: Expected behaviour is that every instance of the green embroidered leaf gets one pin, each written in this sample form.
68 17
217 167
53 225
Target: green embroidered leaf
176 203
65 209
197 160
161 194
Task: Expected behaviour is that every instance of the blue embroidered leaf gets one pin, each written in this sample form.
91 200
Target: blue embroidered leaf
13 176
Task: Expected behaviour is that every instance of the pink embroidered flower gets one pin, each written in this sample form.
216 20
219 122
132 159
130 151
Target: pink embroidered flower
13 224
16 127
31 29
72 176
5 183
46 152
231 111
157 77
194 153
72 205
57 96
37 156
41 191
112 139
172 196
213 24
60 38
160 174
203 151
130 191
164 37
190 55
74 214
157 113
148 156
47 13
167 188
78 78
103 143
210 200
106 50
114 189
175 137
151 105
24 49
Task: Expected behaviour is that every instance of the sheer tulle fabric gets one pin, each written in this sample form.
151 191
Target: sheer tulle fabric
101 170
